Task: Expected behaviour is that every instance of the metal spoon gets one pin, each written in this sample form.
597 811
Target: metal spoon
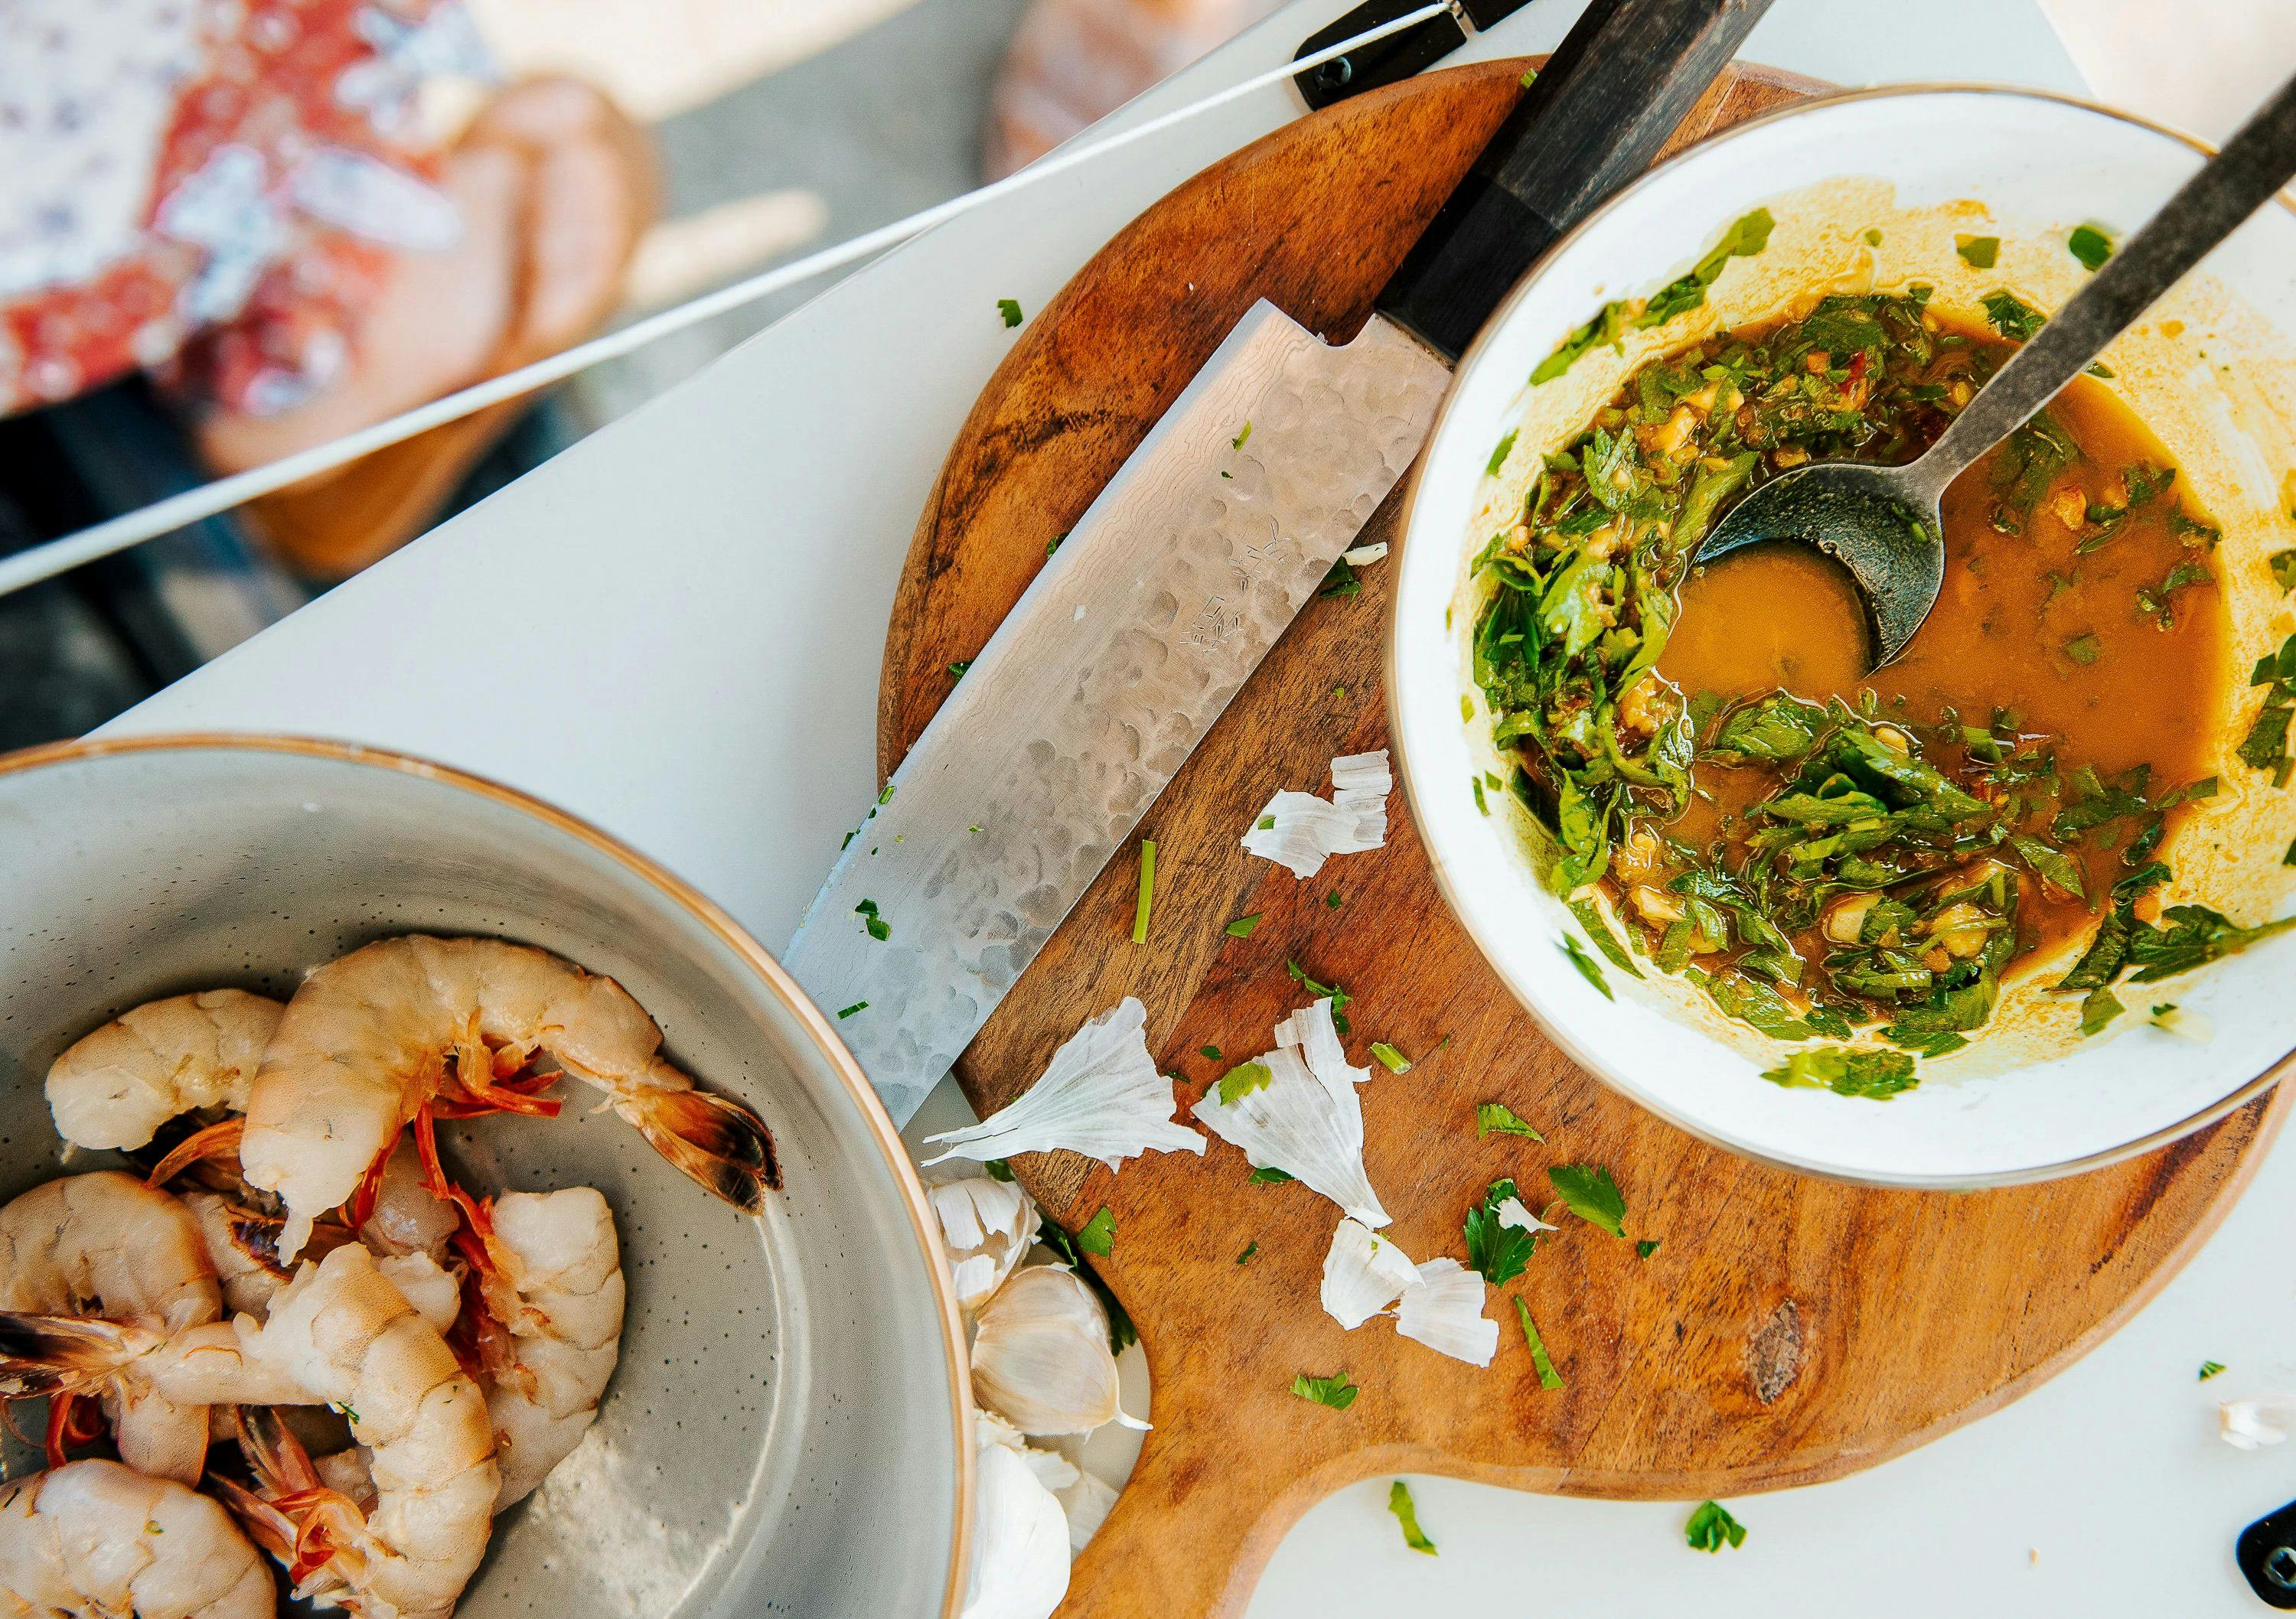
1882 523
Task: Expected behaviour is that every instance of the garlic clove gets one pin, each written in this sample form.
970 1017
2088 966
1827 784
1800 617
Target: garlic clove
1101 1095
1041 1358
2252 1424
1307 1121
1086 1504
986 1227
1054 1470
1444 1312
1364 1273
1021 1542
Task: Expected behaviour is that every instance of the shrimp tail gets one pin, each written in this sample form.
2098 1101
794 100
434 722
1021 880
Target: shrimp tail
714 1138
45 1354
216 1140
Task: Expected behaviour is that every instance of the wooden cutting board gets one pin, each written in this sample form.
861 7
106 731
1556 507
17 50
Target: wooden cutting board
1787 1331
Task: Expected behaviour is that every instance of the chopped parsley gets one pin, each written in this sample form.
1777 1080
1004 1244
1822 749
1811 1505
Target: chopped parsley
2208 1368
1588 968
2266 746
879 927
1332 900
1338 997
1878 1075
2084 648
1590 917
1498 1251
1647 1247
1146 901
2090 245
1977 252
1499 455
2012 317
1608 327
1400 1502
998 1169
1873 237
1389 1059
1269 1177
1541 1362
1010 308
1211 1051
956 670
1587 1192
1711 1527
1250 1248
858 1006
1241 1080
1497 1118
1097 1235
1241 439
1241 929
1337 1393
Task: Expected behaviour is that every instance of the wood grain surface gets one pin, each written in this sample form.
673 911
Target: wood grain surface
1788 1330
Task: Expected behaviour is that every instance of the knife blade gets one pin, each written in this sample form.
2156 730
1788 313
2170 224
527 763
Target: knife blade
1126 646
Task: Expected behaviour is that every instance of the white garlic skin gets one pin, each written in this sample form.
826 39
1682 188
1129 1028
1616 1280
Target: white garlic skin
1040 1359
986 1229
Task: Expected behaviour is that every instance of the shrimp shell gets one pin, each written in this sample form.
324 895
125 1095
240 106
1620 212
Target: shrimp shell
558 1288
106 1245
93 1539
364 1043
117 1086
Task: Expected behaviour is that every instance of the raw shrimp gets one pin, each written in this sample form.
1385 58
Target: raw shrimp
92 1540
338 1334
552 1276
244 1247
117 1086
106 1245
364 1045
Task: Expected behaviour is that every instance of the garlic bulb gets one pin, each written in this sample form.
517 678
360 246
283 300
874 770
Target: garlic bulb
1041 1358
2252 1424
1086 1502
1299 830
1444 1309
1307 1120
1363 1274
986 1227
1101 1095
1021 1542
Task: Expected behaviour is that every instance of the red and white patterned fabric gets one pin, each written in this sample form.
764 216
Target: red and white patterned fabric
209 187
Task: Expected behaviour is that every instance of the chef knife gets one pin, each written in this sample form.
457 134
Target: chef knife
1161 601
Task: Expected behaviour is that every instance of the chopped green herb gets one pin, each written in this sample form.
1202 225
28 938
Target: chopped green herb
1250 1248
1332 900
1497 1118
1054 544
1340 582
1338 997
2012 317
2084 648
885 796
1499 455
1647 1247
2266 746
1399 1501
2283 569
1749 236
1711 1526
1474 782
2099 1008
1241 929
1269 1177
1587 1192
1389 1059
1239 441
1097 1235
2090 245
1010 308
1241 1080
1845 1072
1590 917
1872 238
956 670
1497 1250
2208 1368
1530 77
1337 1393
1588 968
1540 1361
998 1169
1266 823
1073 1249
1978 252
878 927
1146 900
858 1006
1211 1051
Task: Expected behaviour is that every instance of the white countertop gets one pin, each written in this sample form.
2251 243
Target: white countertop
674 629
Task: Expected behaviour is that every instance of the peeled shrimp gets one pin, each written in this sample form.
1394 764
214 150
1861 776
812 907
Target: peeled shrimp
364 1043
93 1539
106 1245
242 1247
554 1278
338 1334
117 1086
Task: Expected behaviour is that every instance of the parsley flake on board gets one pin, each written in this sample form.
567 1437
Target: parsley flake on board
1389 1059
1211 1051
1497 1250
1010 308
1497 1118
1587 1190
1241 929
1097 1235
956 670
1333 900
1250 1248
1711 1526
1146 901
1338 997
1400 1502
1541 1362
1647 1247
1337 1393
1269 1177
998 1169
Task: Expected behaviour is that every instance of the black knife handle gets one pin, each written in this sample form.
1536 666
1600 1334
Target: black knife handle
1625 75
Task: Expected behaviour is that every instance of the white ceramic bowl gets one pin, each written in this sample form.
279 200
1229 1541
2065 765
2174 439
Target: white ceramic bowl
2212 370
789 1428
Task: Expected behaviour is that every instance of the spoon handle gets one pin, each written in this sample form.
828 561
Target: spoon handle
2255 163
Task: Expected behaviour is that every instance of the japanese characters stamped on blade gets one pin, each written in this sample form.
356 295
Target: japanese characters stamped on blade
1101 680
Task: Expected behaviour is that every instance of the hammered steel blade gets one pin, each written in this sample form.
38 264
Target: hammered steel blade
1102 681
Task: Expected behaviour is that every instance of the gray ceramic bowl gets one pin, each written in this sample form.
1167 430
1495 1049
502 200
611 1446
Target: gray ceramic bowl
788 1429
